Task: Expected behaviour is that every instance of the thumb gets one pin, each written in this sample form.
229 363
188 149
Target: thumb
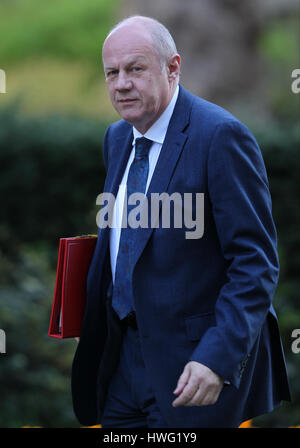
183 379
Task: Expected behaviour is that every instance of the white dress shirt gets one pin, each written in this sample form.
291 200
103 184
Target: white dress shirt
157 134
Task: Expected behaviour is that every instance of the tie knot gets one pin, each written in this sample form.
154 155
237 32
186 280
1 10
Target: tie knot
142 146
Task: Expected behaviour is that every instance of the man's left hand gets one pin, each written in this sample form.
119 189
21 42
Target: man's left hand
197 386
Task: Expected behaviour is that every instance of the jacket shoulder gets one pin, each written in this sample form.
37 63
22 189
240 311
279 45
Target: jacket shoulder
206 112
118 129
211 114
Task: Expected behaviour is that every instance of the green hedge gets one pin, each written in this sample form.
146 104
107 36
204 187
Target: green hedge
51 174
60 29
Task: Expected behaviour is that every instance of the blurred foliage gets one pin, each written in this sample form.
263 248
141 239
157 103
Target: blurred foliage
51 52
35 371
280 41
51 174
279 47
60 28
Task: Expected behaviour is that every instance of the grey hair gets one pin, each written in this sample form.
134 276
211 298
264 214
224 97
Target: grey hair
163 42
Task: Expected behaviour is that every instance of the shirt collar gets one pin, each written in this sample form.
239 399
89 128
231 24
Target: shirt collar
158 130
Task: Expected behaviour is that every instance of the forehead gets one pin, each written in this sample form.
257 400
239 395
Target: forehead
127 44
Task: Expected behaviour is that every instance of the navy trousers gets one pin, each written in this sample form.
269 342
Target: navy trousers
130 401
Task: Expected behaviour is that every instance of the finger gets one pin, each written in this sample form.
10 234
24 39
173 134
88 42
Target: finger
197 398
188 392
183 380
205 396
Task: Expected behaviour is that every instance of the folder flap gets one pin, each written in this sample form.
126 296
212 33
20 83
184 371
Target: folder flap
74 259
56 307
78 255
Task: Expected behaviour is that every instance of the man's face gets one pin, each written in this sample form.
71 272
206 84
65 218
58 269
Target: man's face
138 87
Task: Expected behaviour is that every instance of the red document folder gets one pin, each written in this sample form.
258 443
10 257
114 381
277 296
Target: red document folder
74 258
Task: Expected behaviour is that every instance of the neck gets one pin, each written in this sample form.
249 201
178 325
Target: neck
143 127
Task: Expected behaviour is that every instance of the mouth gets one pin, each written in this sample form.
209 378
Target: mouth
126 101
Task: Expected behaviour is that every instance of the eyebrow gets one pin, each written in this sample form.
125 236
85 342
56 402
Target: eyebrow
134 61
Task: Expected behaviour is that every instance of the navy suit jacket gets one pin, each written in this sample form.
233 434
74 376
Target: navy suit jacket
207 299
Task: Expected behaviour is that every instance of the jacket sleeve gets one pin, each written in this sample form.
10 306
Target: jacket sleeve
242 210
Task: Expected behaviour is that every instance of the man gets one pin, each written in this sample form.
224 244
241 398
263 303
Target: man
178 332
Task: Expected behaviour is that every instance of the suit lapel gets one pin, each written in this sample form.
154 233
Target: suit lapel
169 155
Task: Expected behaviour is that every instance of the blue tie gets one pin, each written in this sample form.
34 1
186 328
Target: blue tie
122 299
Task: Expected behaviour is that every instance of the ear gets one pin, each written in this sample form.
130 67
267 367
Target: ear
173 67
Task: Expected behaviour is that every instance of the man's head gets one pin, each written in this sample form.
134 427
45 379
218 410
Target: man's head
141 66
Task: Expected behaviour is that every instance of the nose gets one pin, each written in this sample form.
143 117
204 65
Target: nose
123 82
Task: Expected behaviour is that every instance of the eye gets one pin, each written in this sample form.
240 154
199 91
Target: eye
111 73
136 69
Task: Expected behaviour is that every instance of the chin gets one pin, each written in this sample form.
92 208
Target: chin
132 118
